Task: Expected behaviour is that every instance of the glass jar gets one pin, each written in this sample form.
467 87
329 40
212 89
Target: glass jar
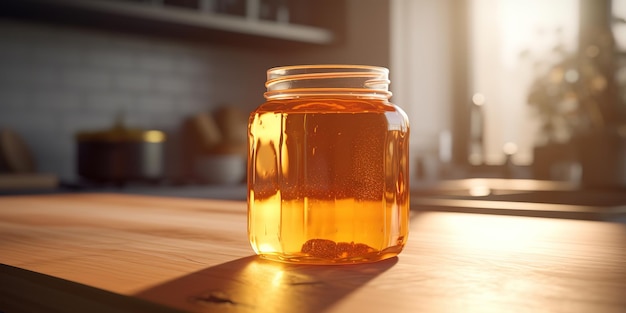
328 178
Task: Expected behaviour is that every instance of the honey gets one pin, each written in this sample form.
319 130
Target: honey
328 176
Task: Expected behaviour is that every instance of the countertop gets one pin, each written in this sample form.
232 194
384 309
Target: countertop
130 253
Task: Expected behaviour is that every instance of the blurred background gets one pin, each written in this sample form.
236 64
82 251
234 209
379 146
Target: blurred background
153 94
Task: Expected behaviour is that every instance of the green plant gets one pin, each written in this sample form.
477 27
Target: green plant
578 93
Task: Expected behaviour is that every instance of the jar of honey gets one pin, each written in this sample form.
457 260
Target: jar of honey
328 178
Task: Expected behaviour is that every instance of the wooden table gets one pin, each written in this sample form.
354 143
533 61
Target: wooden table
124 253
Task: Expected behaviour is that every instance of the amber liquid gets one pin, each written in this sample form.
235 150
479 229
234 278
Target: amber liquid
328 180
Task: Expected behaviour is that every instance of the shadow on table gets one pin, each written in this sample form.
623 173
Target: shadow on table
27 291
253 284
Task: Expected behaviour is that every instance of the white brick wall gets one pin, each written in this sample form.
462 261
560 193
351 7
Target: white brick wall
56 81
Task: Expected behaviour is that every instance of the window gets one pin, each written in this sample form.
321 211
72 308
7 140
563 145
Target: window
511 42
444 52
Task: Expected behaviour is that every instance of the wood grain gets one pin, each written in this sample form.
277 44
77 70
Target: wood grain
128 253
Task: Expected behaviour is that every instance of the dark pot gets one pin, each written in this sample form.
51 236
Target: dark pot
121 155
603 158
551 158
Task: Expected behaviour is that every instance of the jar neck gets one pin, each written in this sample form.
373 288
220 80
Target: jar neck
359 81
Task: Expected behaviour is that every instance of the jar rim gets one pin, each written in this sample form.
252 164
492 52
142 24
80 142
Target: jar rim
370 68
332 78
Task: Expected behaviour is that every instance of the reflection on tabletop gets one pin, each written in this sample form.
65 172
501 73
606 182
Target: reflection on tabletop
526 197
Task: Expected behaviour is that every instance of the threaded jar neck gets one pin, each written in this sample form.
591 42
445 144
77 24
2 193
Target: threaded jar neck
297 81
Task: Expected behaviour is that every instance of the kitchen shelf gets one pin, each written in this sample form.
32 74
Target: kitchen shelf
244 25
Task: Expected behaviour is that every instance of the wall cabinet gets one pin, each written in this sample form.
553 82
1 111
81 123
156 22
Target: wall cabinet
305 22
